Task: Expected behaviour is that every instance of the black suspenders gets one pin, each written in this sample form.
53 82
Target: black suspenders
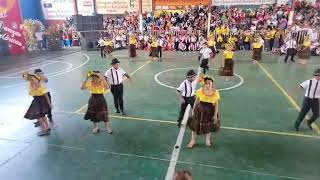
117 77
190 89
113 77
315 90
186 89
310 84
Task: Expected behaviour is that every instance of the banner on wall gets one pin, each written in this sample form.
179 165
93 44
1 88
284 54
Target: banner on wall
241 2
112 6
57 9
121 6
85 7
11 34
280 2
146 6
180 2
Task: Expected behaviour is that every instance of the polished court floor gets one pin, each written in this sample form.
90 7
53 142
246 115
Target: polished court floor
257 140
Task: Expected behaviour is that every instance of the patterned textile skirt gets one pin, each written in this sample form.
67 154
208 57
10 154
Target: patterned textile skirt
227 70
154 52
38 108
108 49
257 54
202 121
305 53
97 109
132 51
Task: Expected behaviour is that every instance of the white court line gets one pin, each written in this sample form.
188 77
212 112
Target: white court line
38 62
85 62
140 67
172 161
16 154
180 162
239 170
222 127
11 75
109 152
24 65
177 146
69 66
133 155
16 140
186 58
171 87
66 69
58 74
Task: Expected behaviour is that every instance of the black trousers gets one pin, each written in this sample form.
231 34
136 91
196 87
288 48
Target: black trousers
159 48
176 46
49 113
103 55
117 92
204 65
183 107
308 104
291 53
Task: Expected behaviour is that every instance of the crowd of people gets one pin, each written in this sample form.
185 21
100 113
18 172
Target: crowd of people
187 30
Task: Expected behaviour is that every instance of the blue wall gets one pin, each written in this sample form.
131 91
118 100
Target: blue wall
31 9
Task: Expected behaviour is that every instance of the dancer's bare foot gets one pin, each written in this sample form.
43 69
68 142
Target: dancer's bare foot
95 130
208 143
191 145
109 130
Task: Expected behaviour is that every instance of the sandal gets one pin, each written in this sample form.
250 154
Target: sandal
190 146
43 133
95 130
109 131
208 144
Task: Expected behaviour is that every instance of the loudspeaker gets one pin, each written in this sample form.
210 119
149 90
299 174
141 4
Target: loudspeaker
88 23
89 40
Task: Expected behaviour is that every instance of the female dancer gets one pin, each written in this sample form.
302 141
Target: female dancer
132 50
40 105
228 62
97 106
257 48
108 47
154 51
304 53
205 116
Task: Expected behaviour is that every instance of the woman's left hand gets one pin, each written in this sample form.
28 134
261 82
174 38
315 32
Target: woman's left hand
100 75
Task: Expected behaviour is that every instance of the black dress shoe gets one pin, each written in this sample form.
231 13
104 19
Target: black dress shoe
296 126
118 111
309 125
123 113
36 124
